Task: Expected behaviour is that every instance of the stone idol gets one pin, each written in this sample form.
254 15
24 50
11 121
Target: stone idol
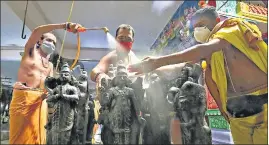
189 101
120 109
69 103
156 111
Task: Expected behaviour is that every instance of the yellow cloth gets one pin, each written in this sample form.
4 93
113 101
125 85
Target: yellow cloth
252 129
28 116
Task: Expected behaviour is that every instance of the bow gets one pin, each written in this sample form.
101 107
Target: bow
81 29
62 46
78 52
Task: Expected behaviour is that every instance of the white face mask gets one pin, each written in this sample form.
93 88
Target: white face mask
47 47
201 34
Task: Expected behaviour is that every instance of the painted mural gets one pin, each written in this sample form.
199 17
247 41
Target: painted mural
227 7
176 35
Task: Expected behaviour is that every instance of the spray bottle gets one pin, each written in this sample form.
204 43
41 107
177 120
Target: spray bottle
83 29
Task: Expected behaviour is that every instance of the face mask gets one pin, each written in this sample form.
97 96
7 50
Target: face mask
127 46
201 34
47 47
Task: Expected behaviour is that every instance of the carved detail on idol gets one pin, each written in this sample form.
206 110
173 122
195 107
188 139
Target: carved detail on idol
120 110
189 101
68 103
156 112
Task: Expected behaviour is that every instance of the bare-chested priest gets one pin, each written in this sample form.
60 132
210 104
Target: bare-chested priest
125 38
28 109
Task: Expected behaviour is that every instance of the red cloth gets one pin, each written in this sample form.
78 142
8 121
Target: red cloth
211 103
212 3
203 4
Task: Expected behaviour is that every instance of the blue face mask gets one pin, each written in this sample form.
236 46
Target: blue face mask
47 47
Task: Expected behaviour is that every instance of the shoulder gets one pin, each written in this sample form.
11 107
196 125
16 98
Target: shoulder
217 42
110 56
228 26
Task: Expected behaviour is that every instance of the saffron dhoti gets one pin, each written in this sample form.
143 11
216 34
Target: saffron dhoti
28 116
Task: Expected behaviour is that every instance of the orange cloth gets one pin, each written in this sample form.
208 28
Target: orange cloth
28 116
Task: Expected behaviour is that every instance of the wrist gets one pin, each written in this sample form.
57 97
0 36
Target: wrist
66 25
160 62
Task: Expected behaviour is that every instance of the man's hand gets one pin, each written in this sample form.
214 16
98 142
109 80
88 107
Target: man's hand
147 65
40 30
100 77
20 86
73 27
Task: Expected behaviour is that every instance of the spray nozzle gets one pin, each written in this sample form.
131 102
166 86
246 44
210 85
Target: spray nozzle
105 29
204 65
83 29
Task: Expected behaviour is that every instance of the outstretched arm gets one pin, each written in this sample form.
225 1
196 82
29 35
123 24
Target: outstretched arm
170 72
194 53
101 68
38 32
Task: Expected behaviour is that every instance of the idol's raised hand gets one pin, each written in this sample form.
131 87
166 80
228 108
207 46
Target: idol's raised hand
147 65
